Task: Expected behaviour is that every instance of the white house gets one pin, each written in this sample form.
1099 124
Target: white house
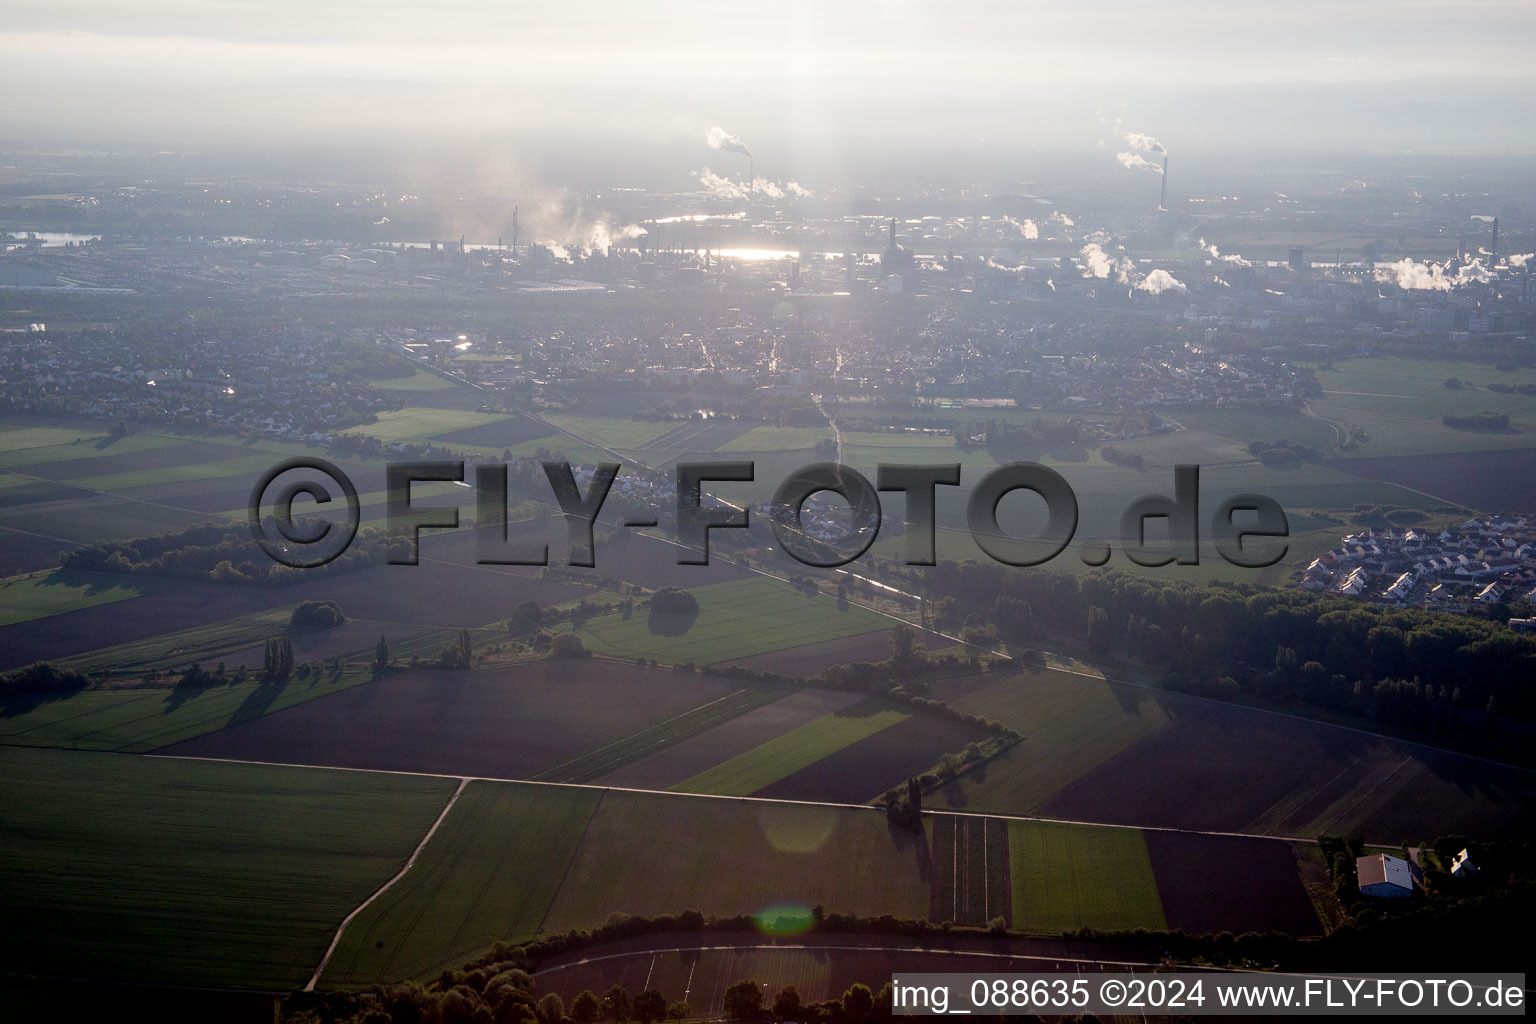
1384 877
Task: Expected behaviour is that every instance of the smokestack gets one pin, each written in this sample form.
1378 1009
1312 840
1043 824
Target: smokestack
893 234
1162 199
1493 244
514 231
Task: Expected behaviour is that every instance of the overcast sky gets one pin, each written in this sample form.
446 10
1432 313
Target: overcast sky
1015 71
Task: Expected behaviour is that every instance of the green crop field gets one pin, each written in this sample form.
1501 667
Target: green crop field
612 431
767 763
40 594
148 718
421 380
736 619
1399 403
488 875
193 873
777 439
1067 877
241 466
660 854
21 455
16 438
418 423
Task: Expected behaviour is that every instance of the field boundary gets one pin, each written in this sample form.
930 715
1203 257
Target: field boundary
752 799
409 863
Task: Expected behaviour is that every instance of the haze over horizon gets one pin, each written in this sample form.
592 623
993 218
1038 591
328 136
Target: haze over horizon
816 84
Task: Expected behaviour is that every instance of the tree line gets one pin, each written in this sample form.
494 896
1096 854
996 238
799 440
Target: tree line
1410 666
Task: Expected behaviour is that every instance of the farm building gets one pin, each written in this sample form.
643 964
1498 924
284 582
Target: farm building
1384 877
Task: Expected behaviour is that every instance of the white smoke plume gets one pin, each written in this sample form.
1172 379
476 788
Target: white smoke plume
1050 284
1434 277
1520 259
1134 161
563 226
1160 281
1145 143
1057 217
1097 263
719 138
1027 227
1215 254
721 187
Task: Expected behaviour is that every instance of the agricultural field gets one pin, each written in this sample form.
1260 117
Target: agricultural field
736 619
972 880
777 439
1399 404
173 872
728 857
684 758
487 875
1116 753
421 380
1067 877
611 431
41 594
419 423
147 718
1212 884
495 723
1490 481
767 763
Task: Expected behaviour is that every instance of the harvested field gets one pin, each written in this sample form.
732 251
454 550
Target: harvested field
1273 775
753 771
1214 884
1503 481
1122 754
506 433
812 659
488 875
696 754
28 552
864 769
503 723
661 854
972 881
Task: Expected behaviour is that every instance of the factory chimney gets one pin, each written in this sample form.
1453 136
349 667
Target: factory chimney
1493 244
893 234
514 231
1162 199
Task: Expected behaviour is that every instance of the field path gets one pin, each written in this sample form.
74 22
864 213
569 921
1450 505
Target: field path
683 795
336 939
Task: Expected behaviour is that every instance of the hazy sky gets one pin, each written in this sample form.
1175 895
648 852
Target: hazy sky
1019 71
